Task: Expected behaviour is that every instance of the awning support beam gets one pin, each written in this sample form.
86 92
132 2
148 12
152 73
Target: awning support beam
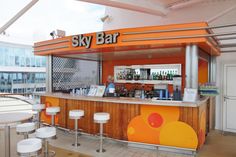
145 7
18 15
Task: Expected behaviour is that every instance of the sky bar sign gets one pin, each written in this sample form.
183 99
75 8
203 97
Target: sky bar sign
101 38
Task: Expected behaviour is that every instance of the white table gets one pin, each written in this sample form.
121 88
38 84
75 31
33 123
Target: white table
7 119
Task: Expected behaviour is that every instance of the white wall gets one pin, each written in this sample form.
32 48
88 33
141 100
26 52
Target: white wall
199 12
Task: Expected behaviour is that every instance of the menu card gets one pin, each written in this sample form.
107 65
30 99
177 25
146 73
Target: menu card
190 95
92 90
96 90
100 91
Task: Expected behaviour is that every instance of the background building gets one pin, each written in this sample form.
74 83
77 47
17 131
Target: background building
20 70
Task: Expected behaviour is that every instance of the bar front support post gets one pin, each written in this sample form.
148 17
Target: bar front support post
7 141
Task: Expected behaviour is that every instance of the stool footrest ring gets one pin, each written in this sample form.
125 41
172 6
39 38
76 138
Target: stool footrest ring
103 150
23 133
78 144
104 135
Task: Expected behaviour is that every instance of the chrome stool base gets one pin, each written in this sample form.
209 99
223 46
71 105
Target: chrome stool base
78 144
50 153
25 134
101 150
76 115
101 118
47 152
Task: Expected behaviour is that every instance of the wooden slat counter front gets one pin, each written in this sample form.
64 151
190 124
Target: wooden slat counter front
169 123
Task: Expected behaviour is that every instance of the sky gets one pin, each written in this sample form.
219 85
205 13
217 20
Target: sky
35 25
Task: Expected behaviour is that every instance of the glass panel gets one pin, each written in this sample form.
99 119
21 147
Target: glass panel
17 60
28 62
38 62
32 62
73 73
22 61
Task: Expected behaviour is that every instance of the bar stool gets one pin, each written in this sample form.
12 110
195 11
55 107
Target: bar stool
25 129
76 115
38 109
52 111
45 133
29 147
101 118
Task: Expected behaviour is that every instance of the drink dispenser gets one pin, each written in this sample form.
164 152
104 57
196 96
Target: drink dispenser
177 82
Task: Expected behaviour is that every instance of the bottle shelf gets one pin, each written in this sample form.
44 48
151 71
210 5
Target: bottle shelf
208 89
147 74
145 81
209 94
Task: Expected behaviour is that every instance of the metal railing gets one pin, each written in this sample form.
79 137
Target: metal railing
15 103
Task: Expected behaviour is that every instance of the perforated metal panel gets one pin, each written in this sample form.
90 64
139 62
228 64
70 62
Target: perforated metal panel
70 73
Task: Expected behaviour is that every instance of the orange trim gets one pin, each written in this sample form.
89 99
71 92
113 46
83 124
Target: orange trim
64 45
202 71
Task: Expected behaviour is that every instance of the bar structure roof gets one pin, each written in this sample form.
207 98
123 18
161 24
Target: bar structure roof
146 42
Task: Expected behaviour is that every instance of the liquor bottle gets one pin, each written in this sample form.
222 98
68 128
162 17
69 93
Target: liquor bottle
153 76
157 75
160 76
169 72
165 76
168 75
118 77
171 75
150 77
129 76
176 73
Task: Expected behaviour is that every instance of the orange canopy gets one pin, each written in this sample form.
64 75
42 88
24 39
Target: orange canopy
131 39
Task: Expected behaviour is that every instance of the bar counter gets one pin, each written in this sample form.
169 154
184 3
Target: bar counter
127 100
168 123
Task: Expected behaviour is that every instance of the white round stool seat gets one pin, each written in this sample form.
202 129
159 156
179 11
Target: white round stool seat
25 127
52 110
46 132
76 114
29 145
101 117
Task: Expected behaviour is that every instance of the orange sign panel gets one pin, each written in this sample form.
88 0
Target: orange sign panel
127 39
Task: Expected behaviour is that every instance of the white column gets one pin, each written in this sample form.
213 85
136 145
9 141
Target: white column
194 52
188 66
49 74
212 69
